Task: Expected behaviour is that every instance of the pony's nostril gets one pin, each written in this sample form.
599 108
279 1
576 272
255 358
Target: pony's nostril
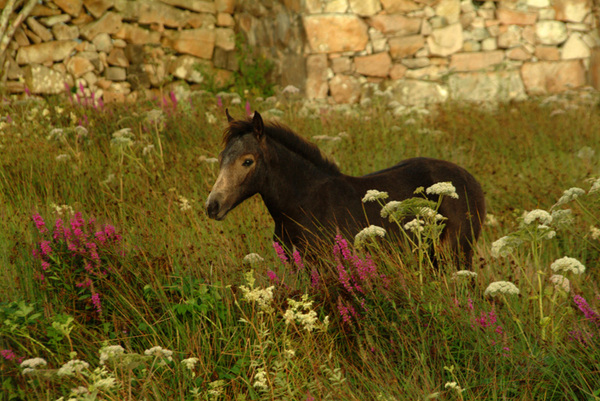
212 209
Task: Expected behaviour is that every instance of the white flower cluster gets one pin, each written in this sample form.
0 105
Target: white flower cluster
389 208
72 367
467 274
159 352
416 226
29 365
501 287
542 216
122 138
110 352
594 232
302 313
260 380
184 204
504 246
252 259
190 363
262 296
374 195
454 386
569 195
443 188
369 232
595 187
560 282
567 264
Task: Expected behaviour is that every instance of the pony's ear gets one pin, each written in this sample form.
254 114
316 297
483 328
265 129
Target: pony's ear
258 125
229 118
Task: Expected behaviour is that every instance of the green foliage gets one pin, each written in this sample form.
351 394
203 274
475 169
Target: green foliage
402 330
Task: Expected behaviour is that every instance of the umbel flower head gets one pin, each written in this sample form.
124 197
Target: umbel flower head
443 188
369 232
569 195
501 287
374 195
539 215
567 264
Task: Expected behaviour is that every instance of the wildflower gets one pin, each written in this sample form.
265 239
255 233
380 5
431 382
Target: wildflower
569 195
443 188
389 208
369 232
301 312
190 363
8 354
96 302
159 352
490 220
454 386
501 287
155 116
184 204
567 264
562 217
72 367
262 296
430 214
504 246
252 259
584 307
373 195
289 353
538 214
290 89
63 157
105 384
415 225
260 380
298 259
147 150
110 352
39 223
560 282
546 232
210 118
595 187
122 138
594 232
463 273
280 252
29 365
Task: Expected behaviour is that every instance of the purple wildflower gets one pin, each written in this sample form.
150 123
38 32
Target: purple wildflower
219 102
39 223
273 277
298 260
45 248
8 354
346 312
344 277
314 279
96 302
173 99
248 108
27 91
280 252
588 312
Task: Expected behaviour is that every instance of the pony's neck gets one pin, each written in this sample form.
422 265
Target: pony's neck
290 180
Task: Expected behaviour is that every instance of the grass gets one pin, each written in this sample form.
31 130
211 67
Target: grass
172 278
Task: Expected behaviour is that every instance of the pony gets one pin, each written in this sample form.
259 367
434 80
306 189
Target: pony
309 198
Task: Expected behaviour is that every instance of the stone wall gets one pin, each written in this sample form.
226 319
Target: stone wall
338 50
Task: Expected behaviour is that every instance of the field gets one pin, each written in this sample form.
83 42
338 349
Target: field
114 285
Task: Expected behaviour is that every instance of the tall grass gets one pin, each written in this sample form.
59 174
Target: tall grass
173 309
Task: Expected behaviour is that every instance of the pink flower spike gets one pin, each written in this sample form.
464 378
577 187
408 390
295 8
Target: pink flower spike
273 277
280 252
96 302
173 99
219 102
27 91
9 119
298 260
248 109
39 223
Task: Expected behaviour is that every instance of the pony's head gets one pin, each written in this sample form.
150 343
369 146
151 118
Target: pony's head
241 166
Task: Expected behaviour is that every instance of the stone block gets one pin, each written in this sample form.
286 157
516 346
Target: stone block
418 93
553 76
137 35
78 66
39 29
501 86
316 76
345 89
547 53
225 38
115 74
335 33
572 10
507 16
365 8
446 41
475 61
374 65
65 32
98 7
594 69
117 58
574 48
110 23
43 80
405 46
550 32
71 7
46 52
197 42
396 24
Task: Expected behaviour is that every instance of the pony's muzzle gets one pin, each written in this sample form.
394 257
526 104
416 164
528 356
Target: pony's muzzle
212 208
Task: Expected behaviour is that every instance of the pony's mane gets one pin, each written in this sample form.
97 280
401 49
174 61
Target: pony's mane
285 137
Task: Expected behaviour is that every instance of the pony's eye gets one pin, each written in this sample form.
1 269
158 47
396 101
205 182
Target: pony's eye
247 162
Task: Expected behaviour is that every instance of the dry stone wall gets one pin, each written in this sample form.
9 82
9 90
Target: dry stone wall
418 51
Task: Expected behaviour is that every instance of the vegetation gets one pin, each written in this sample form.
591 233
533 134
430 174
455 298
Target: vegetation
115 285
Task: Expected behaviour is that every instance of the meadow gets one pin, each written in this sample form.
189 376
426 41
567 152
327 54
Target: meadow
114 284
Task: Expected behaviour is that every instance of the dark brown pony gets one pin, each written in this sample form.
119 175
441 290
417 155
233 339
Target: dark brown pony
308 197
